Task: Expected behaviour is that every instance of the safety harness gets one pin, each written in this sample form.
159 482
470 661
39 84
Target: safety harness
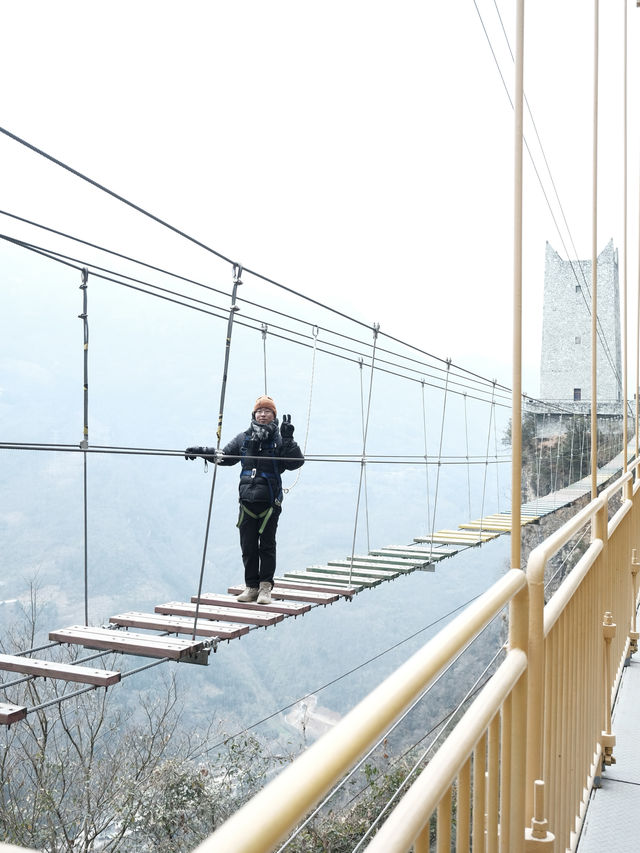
274 484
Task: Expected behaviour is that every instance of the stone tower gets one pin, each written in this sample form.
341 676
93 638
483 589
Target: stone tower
565 364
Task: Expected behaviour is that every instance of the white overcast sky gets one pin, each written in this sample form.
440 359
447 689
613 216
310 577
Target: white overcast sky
360 152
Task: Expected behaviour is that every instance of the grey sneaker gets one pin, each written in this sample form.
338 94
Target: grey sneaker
264 595
250 594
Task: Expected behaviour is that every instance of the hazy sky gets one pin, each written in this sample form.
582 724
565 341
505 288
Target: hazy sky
360 152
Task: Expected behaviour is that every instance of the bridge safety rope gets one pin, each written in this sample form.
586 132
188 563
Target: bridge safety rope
486 466
444 410
84 444
366 491
376 329
426 455
315 331
237 281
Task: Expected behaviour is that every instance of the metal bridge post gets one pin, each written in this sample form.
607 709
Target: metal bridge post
607 738
539 833
633 633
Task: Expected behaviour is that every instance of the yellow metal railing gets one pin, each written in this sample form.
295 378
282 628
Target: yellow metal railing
516 772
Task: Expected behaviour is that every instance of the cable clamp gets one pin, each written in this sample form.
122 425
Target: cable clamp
237 273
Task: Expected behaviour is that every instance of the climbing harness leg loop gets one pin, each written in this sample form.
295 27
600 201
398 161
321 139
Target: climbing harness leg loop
265 516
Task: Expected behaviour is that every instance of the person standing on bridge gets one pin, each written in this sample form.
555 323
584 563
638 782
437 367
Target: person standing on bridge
265 449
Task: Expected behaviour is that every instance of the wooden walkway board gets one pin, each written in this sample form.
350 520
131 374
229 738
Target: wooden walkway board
290 609
221 614
357 568
178 625
417 558
321 589
316 576
296 592
145 645
388 561
447 550
11 713
65 672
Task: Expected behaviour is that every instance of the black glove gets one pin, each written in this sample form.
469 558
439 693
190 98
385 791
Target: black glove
286 429
193 452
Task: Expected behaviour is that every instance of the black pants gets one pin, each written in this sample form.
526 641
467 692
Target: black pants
259 549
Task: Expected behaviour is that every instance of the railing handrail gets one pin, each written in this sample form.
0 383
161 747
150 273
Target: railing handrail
277 808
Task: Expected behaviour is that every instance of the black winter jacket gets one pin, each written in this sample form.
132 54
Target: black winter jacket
262 464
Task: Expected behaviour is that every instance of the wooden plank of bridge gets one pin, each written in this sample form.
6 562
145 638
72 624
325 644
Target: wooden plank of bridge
178 625
145 645
368 566
422 557
287 609
314 594
11 713
62 671
344 568
316 576
445 548
322 589
222 614
388 561
459 537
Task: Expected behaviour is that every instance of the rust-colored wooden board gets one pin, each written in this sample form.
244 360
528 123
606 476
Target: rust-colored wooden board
145 645
223 614
220 600
178 625
62 671
11 713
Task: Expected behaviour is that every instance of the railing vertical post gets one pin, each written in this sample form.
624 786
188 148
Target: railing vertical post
519 607
539 834
607 738
633 633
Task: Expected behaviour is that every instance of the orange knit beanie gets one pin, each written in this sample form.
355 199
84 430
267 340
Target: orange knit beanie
265 402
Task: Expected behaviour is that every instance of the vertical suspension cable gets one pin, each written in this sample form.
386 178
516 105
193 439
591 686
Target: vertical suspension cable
84 444
573 432
486 457
555 482
264 329
495 447
376 329
366 494
539 440
444 411
466 435
315 331
237 281
426 456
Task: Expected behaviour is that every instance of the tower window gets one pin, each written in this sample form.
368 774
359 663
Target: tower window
577 394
